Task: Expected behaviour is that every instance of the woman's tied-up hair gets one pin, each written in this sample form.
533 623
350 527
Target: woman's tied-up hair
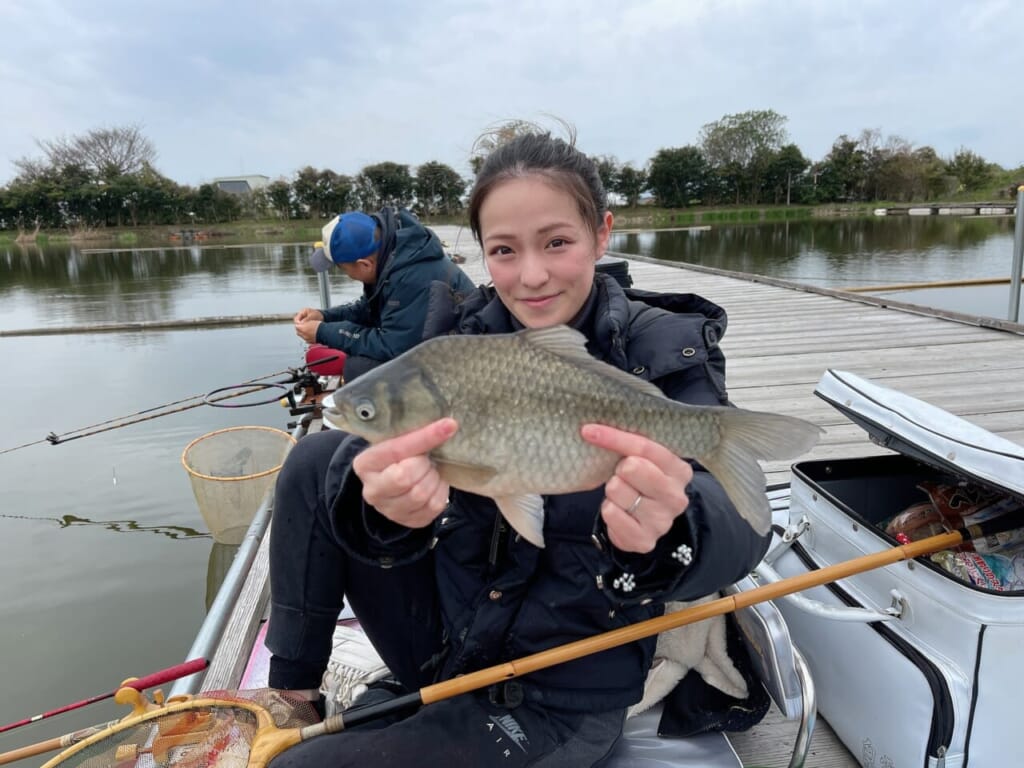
538 153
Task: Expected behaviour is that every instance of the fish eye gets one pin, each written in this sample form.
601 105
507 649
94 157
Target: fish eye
364 410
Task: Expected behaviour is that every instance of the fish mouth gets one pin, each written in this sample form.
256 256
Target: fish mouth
332 415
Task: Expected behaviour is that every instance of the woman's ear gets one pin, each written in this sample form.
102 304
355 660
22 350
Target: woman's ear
604 233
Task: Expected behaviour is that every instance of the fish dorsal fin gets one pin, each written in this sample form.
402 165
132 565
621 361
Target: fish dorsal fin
571 345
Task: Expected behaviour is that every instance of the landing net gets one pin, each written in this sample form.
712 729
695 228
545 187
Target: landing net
216 729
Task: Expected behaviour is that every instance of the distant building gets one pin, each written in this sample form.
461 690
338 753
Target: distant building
241 185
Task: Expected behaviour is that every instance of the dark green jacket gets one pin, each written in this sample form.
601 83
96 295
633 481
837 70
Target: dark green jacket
388 318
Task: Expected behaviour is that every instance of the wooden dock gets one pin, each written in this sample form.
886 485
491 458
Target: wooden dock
781 338
950 209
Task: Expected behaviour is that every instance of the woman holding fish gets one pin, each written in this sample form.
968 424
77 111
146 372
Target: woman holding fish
530 480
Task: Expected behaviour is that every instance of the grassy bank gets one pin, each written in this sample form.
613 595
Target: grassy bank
250 231
304 230
307 230
655 218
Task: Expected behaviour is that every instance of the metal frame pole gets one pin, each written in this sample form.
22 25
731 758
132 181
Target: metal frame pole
1013 312
324 284
325 290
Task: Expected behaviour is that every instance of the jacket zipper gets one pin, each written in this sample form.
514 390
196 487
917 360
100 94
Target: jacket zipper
497 534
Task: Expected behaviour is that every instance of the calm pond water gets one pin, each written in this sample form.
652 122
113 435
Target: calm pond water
845 253
104 559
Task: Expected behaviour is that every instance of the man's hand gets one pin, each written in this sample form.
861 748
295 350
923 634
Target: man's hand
306 321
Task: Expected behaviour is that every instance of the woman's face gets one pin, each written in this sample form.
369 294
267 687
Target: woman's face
539 251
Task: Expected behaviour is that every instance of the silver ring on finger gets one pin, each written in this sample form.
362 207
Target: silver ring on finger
635 506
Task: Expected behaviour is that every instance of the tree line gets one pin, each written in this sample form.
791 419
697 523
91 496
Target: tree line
107 177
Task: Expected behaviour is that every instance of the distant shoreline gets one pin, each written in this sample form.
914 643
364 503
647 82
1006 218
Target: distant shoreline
307 230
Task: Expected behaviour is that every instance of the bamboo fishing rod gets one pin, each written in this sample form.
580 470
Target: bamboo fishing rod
270 740
57 742
501 672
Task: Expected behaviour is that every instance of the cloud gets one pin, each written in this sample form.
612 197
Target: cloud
340 85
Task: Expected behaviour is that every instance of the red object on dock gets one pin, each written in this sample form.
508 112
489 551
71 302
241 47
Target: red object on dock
333 360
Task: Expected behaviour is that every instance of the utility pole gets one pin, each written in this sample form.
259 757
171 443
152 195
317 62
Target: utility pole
1013 311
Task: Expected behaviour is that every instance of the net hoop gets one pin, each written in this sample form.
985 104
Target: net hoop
264 721
220 479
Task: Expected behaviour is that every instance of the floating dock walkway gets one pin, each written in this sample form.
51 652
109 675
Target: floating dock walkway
1008 208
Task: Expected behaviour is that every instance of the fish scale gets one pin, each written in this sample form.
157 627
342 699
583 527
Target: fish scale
520 400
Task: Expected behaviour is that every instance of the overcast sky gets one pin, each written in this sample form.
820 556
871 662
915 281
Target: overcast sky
269 86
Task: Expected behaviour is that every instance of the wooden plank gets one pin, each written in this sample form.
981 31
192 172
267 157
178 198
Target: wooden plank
770 743
232 654
922 386
934 359
962 400
795 325
842 344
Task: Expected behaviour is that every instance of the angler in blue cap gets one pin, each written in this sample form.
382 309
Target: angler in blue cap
396 259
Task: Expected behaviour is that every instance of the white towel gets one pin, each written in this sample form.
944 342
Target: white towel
701 646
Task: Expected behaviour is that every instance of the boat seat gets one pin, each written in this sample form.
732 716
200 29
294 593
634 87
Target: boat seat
779 666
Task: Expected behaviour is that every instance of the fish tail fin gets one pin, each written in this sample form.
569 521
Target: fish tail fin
746 438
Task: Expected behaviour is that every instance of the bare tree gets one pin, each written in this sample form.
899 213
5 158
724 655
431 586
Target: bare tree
31 169
117 151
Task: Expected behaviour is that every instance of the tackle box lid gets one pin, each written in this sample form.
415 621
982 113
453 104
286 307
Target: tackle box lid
925 432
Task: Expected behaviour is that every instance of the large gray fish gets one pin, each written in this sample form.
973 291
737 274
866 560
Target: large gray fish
520 400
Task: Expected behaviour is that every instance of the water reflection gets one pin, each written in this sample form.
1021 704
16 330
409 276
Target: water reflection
30 266
64 284
119 526
841 251
221 557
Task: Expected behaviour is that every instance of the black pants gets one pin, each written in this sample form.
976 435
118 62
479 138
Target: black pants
311 575
467 731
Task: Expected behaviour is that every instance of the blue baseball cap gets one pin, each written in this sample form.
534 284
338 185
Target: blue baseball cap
347 238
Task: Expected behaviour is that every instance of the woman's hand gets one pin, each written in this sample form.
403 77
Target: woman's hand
306 321
647 492
399 479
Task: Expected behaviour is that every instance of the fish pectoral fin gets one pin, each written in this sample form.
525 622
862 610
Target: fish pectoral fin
526 515
468 477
